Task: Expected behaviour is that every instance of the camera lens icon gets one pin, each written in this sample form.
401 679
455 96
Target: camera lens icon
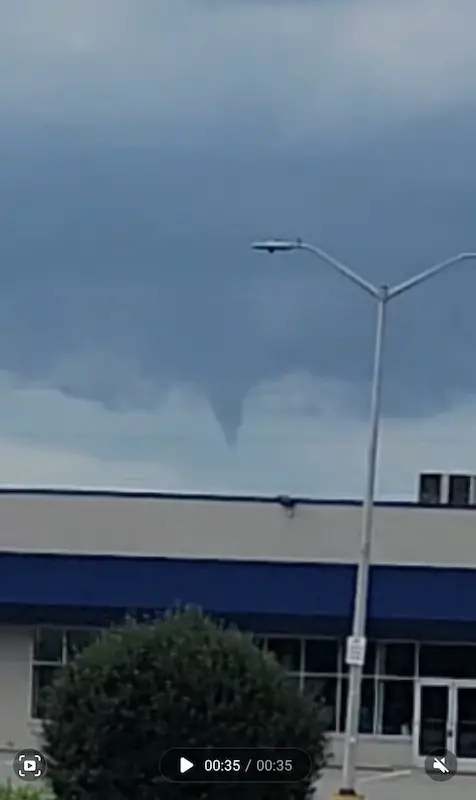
30 765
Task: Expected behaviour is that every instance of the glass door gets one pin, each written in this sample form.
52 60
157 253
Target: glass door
434 715
465 729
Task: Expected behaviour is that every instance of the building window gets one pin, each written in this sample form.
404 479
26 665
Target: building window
395 702
321 656
399 659
324 691
367 706
317 666
43 678
447 661
48 645
52 649
288 651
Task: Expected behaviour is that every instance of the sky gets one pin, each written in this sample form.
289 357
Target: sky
143 148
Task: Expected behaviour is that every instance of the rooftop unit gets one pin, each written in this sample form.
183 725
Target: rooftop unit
447 489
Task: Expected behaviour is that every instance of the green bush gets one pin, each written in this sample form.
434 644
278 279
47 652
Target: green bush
10 792
182 681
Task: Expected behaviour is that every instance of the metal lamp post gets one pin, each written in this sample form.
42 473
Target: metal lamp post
356 643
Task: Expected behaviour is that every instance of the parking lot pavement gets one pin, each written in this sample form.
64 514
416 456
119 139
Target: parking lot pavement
416 786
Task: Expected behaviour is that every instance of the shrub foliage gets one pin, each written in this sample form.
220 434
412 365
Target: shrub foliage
181 681
10 792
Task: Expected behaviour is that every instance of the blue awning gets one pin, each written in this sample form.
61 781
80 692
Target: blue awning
397 593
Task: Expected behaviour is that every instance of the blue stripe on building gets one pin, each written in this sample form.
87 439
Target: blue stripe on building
406 601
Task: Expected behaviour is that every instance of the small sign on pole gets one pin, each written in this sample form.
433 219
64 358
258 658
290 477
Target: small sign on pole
355 651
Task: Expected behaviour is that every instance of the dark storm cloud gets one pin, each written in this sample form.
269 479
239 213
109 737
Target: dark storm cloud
125 221
131 267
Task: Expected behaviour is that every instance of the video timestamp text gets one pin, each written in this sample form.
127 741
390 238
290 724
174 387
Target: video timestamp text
230 765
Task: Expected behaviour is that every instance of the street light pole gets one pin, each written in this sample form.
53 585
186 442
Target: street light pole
362 578
356 643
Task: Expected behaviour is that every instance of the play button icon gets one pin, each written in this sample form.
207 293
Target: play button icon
185 765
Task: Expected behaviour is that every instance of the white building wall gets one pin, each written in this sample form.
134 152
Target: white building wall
16 730
233 529
376 752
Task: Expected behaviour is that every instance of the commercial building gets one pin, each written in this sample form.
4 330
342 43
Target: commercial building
71 561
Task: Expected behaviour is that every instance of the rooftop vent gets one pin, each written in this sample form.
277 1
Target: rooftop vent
443 489
430 489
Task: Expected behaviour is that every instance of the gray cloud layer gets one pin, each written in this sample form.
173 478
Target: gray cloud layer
125 273
144 147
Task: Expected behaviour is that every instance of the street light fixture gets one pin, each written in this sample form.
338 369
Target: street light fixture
356 643
275 246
